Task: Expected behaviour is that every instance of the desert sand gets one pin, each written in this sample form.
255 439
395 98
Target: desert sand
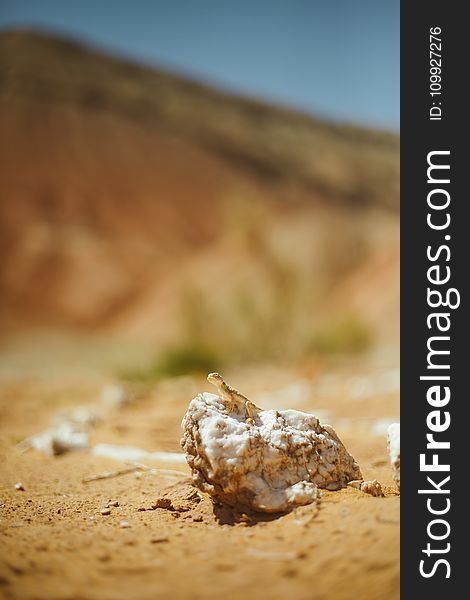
57 544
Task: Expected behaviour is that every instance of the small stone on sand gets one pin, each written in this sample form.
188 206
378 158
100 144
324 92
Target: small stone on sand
158 540
162 503
274 463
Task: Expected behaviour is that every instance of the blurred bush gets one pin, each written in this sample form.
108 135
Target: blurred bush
348 334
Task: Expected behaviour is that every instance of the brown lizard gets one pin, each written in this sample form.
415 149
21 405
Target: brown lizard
234 397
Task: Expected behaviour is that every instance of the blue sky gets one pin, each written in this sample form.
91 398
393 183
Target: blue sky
336 58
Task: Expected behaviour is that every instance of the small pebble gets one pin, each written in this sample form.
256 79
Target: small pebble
104 557
19 486
124 524
115 503
105 511
162 503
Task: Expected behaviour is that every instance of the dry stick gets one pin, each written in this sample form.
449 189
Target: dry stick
158 470
131 469
109 474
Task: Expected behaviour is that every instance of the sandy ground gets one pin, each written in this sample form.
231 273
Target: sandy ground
55 543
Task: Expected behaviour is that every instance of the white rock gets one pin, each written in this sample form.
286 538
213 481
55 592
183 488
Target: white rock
273 465
114 395
58 440
134 453
393 439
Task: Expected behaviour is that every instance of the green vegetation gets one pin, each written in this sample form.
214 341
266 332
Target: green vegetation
184 359
345 335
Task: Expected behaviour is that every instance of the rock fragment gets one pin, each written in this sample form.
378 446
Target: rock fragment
371 487
393 440
162 503
57 440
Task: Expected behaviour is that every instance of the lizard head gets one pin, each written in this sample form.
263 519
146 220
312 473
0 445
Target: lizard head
215 378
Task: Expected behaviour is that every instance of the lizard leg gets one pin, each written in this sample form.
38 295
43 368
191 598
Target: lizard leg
249 412
231 403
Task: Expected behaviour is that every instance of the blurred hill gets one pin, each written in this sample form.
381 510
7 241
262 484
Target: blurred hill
137 201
